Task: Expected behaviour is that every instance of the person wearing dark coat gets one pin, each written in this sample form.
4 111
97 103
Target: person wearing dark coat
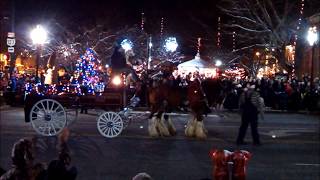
59 169
120 63
250 106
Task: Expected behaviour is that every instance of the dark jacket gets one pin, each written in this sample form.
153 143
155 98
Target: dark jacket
118 59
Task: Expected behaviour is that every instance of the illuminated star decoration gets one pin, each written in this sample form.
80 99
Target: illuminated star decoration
171 44
126 44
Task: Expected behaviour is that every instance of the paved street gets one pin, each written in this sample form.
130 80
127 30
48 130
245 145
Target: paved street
290 149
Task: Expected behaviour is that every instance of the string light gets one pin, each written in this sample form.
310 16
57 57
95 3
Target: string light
162 26
199 45
296 35
233 41
219 33
142 21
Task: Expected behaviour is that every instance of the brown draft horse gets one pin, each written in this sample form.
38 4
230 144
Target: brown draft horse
165 97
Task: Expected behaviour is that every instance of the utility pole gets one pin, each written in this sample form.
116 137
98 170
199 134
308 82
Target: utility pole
11 41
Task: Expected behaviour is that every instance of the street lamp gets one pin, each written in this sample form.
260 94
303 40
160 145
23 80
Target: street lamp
171 44
218 63
38 36
312 38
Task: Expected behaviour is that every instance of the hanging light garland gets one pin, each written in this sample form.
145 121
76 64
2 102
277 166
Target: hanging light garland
219 33
199 45
142 21
296 35
233 41
161 26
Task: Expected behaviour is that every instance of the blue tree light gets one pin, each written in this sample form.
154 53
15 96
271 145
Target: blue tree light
86 70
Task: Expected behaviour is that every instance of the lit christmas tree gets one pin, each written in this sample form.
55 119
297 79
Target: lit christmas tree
87 71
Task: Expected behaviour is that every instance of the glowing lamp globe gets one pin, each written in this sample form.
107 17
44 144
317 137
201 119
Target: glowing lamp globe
218 63
116 80
38 35
171 44
312 36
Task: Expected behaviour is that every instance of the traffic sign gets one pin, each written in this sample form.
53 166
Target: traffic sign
11 34
11 49
11 41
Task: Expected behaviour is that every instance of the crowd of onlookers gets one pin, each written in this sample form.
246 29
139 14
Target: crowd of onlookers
281 93
14 85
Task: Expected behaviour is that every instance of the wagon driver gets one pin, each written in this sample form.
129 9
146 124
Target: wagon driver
120 63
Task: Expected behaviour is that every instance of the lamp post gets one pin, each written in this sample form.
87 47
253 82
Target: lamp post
38 36
256 66
312 38
149 53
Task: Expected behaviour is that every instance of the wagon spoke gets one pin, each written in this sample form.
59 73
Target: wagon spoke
52 105
48 106
54 128
106 130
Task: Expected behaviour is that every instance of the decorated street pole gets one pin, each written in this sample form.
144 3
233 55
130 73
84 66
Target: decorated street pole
312 38
149 53
39 37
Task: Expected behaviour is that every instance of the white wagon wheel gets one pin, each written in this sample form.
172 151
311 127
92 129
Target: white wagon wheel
110 124
48 117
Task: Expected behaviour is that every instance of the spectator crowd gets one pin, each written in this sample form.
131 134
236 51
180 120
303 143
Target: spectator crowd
279 93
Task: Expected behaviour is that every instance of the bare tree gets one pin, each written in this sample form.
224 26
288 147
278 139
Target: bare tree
262 24
70 44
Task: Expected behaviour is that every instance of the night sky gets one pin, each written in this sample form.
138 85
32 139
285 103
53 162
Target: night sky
185 19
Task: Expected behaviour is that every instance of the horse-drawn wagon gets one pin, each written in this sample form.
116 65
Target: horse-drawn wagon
50 112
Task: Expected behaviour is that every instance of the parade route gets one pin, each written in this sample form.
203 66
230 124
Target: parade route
290 147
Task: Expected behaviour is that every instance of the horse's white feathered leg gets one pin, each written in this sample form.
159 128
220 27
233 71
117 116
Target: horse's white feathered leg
163 130
152 127
190 129
200 130
171 128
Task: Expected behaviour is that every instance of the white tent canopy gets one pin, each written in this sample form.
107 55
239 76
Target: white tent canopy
197 62
197 65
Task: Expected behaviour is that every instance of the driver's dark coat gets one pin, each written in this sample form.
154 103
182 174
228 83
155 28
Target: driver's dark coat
118 59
